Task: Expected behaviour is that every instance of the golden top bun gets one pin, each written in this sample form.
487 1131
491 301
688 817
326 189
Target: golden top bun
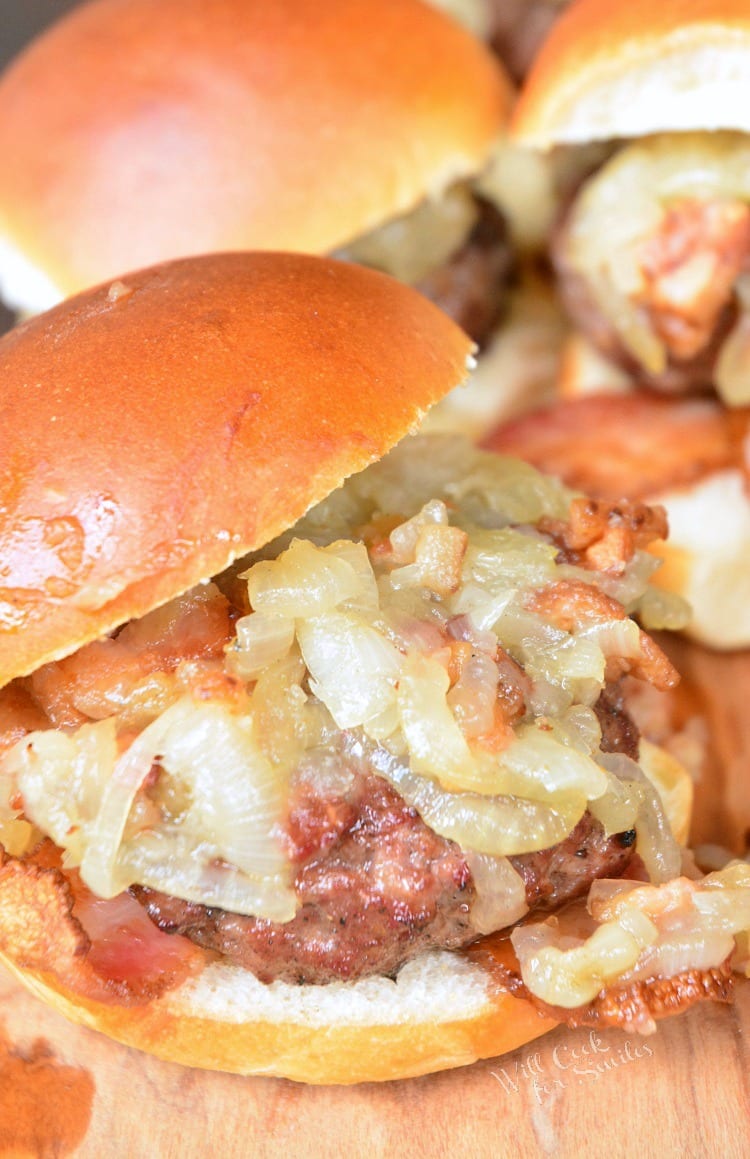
622 68
134 132
155 429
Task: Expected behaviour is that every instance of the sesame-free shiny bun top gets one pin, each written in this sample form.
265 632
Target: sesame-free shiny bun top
135 132
624 68
155 428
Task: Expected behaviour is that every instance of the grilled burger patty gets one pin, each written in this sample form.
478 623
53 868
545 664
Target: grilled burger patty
376 886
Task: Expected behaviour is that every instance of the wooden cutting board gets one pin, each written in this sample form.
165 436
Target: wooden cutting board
684 1092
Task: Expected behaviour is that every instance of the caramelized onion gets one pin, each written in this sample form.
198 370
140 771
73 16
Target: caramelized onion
208 832
353 668
501 826
412 246
574 975
621 209
305 580
501 893
639 932
655 842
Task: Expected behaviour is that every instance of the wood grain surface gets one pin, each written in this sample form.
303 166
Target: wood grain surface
683 1092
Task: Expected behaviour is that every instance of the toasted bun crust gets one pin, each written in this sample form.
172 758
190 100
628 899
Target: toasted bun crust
154 430
625 68
141 132
444 1010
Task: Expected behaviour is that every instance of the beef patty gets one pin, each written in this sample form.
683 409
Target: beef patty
376 886
471 287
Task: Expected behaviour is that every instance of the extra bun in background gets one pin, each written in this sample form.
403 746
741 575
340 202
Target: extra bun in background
651 252
627 69
142 132
337 772
515 29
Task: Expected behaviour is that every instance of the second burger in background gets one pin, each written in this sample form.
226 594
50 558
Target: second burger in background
136 132
652 253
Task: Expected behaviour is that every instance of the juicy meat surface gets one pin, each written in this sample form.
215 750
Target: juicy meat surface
376 886
471 287
566 871
619 731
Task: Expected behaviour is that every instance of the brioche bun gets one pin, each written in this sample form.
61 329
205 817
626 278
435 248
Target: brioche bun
176 419
627 69
136 132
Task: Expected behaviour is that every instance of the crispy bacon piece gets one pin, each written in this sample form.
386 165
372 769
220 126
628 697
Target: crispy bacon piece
604 536
637 1006
119 958
101 677
573 605
636 444
19 715
634 1007
689 268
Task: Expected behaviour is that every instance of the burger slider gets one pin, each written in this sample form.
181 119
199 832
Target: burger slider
295 726
652 251
136 132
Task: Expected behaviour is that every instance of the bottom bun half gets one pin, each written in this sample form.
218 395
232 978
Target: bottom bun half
443 1011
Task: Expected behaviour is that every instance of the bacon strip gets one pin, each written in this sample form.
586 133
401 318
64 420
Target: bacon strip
42 929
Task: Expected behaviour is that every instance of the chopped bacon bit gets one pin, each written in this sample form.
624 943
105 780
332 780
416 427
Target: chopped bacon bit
440 552
654 666
572 605
604 536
